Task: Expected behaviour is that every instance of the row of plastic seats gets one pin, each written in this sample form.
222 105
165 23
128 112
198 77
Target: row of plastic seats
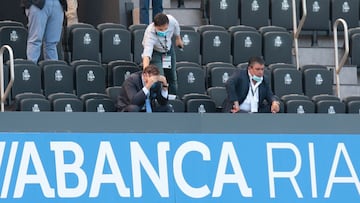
284 78
323 103
80 77
258 13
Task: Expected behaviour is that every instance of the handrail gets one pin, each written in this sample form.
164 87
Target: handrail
338 66
297 29
3 95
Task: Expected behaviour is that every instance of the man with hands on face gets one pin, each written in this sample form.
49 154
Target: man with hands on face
143 86
249 91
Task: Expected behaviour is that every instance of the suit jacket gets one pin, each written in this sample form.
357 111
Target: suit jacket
237 87
40 3
132 94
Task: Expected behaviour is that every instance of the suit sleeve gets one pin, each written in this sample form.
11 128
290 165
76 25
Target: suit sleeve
231 86
135 96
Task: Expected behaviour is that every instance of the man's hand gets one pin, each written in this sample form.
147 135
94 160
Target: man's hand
236 107
162 79
275 107
151 80
178 42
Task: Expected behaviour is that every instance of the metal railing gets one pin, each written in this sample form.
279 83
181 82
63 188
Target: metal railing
297 29
338 66
4 94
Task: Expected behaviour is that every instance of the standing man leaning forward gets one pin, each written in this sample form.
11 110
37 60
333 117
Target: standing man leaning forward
158 49
248 91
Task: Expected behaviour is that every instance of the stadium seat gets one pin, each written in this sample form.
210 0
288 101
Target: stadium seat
177 105
27 78
89 79
26 95
217 73
136 45
67 105
60 95
330 107
317 80
352 104
51 62
115 44
215 46
99 105
113 64
190 80
57 78
299 106
224 13
286 81
16 38
245 44
281 13
218 95
202 28
187 28
134 27
113 92
84 43
347 10
277 47
254 13
200 106
121 73
10 23
187 63
318 15
191 50
236 28
103 26
355 49
35 104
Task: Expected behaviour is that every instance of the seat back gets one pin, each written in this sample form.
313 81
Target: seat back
99 105
113 64
330 106
353 107
190 80
200 106
27 78
215 46
347 10
277 47
317 81
121 73
281 13
218 95
113 92
318 15
115 44
254 13
16 38
244 45
136 45
224 13
177 105
67 105
355 49
57 78
89 79
299 106
35 104
218 76
84 44
286 81
191 50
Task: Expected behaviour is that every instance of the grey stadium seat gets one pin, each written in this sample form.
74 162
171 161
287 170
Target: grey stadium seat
84 44
215 46
113 64
281 13
35 104
99 105
254 13
245 44
218 94
190 80
200 106
89 79
115 44
286 81
191 50
224 13
16 38
277 47
347 10
57 78
27 78
317 80
67 105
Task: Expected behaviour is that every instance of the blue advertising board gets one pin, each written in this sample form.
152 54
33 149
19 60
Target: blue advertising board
191 168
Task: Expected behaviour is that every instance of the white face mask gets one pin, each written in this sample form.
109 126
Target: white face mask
257 78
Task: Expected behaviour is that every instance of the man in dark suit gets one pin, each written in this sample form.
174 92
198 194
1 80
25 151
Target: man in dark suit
249 90
145 90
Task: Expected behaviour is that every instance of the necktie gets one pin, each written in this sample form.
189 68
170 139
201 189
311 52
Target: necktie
148 104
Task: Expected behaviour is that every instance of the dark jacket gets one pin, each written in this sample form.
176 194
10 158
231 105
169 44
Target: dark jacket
40 3
132 94
237 88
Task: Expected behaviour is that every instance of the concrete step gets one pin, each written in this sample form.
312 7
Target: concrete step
319 55
348 90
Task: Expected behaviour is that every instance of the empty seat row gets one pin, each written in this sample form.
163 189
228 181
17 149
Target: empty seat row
259 13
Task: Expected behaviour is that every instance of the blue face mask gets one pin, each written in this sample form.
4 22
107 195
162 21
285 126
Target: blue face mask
257 78
161 33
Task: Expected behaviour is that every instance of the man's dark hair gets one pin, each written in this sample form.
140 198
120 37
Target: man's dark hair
161 19
255 59
151 70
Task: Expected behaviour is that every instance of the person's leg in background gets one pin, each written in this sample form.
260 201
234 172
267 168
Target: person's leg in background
37 20
170 74
181 4
157 7
53 30
71 13
144 11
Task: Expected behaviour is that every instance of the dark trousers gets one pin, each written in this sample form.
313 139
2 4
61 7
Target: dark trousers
144 10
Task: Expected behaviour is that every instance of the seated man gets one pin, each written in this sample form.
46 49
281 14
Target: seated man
145 90
249 90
